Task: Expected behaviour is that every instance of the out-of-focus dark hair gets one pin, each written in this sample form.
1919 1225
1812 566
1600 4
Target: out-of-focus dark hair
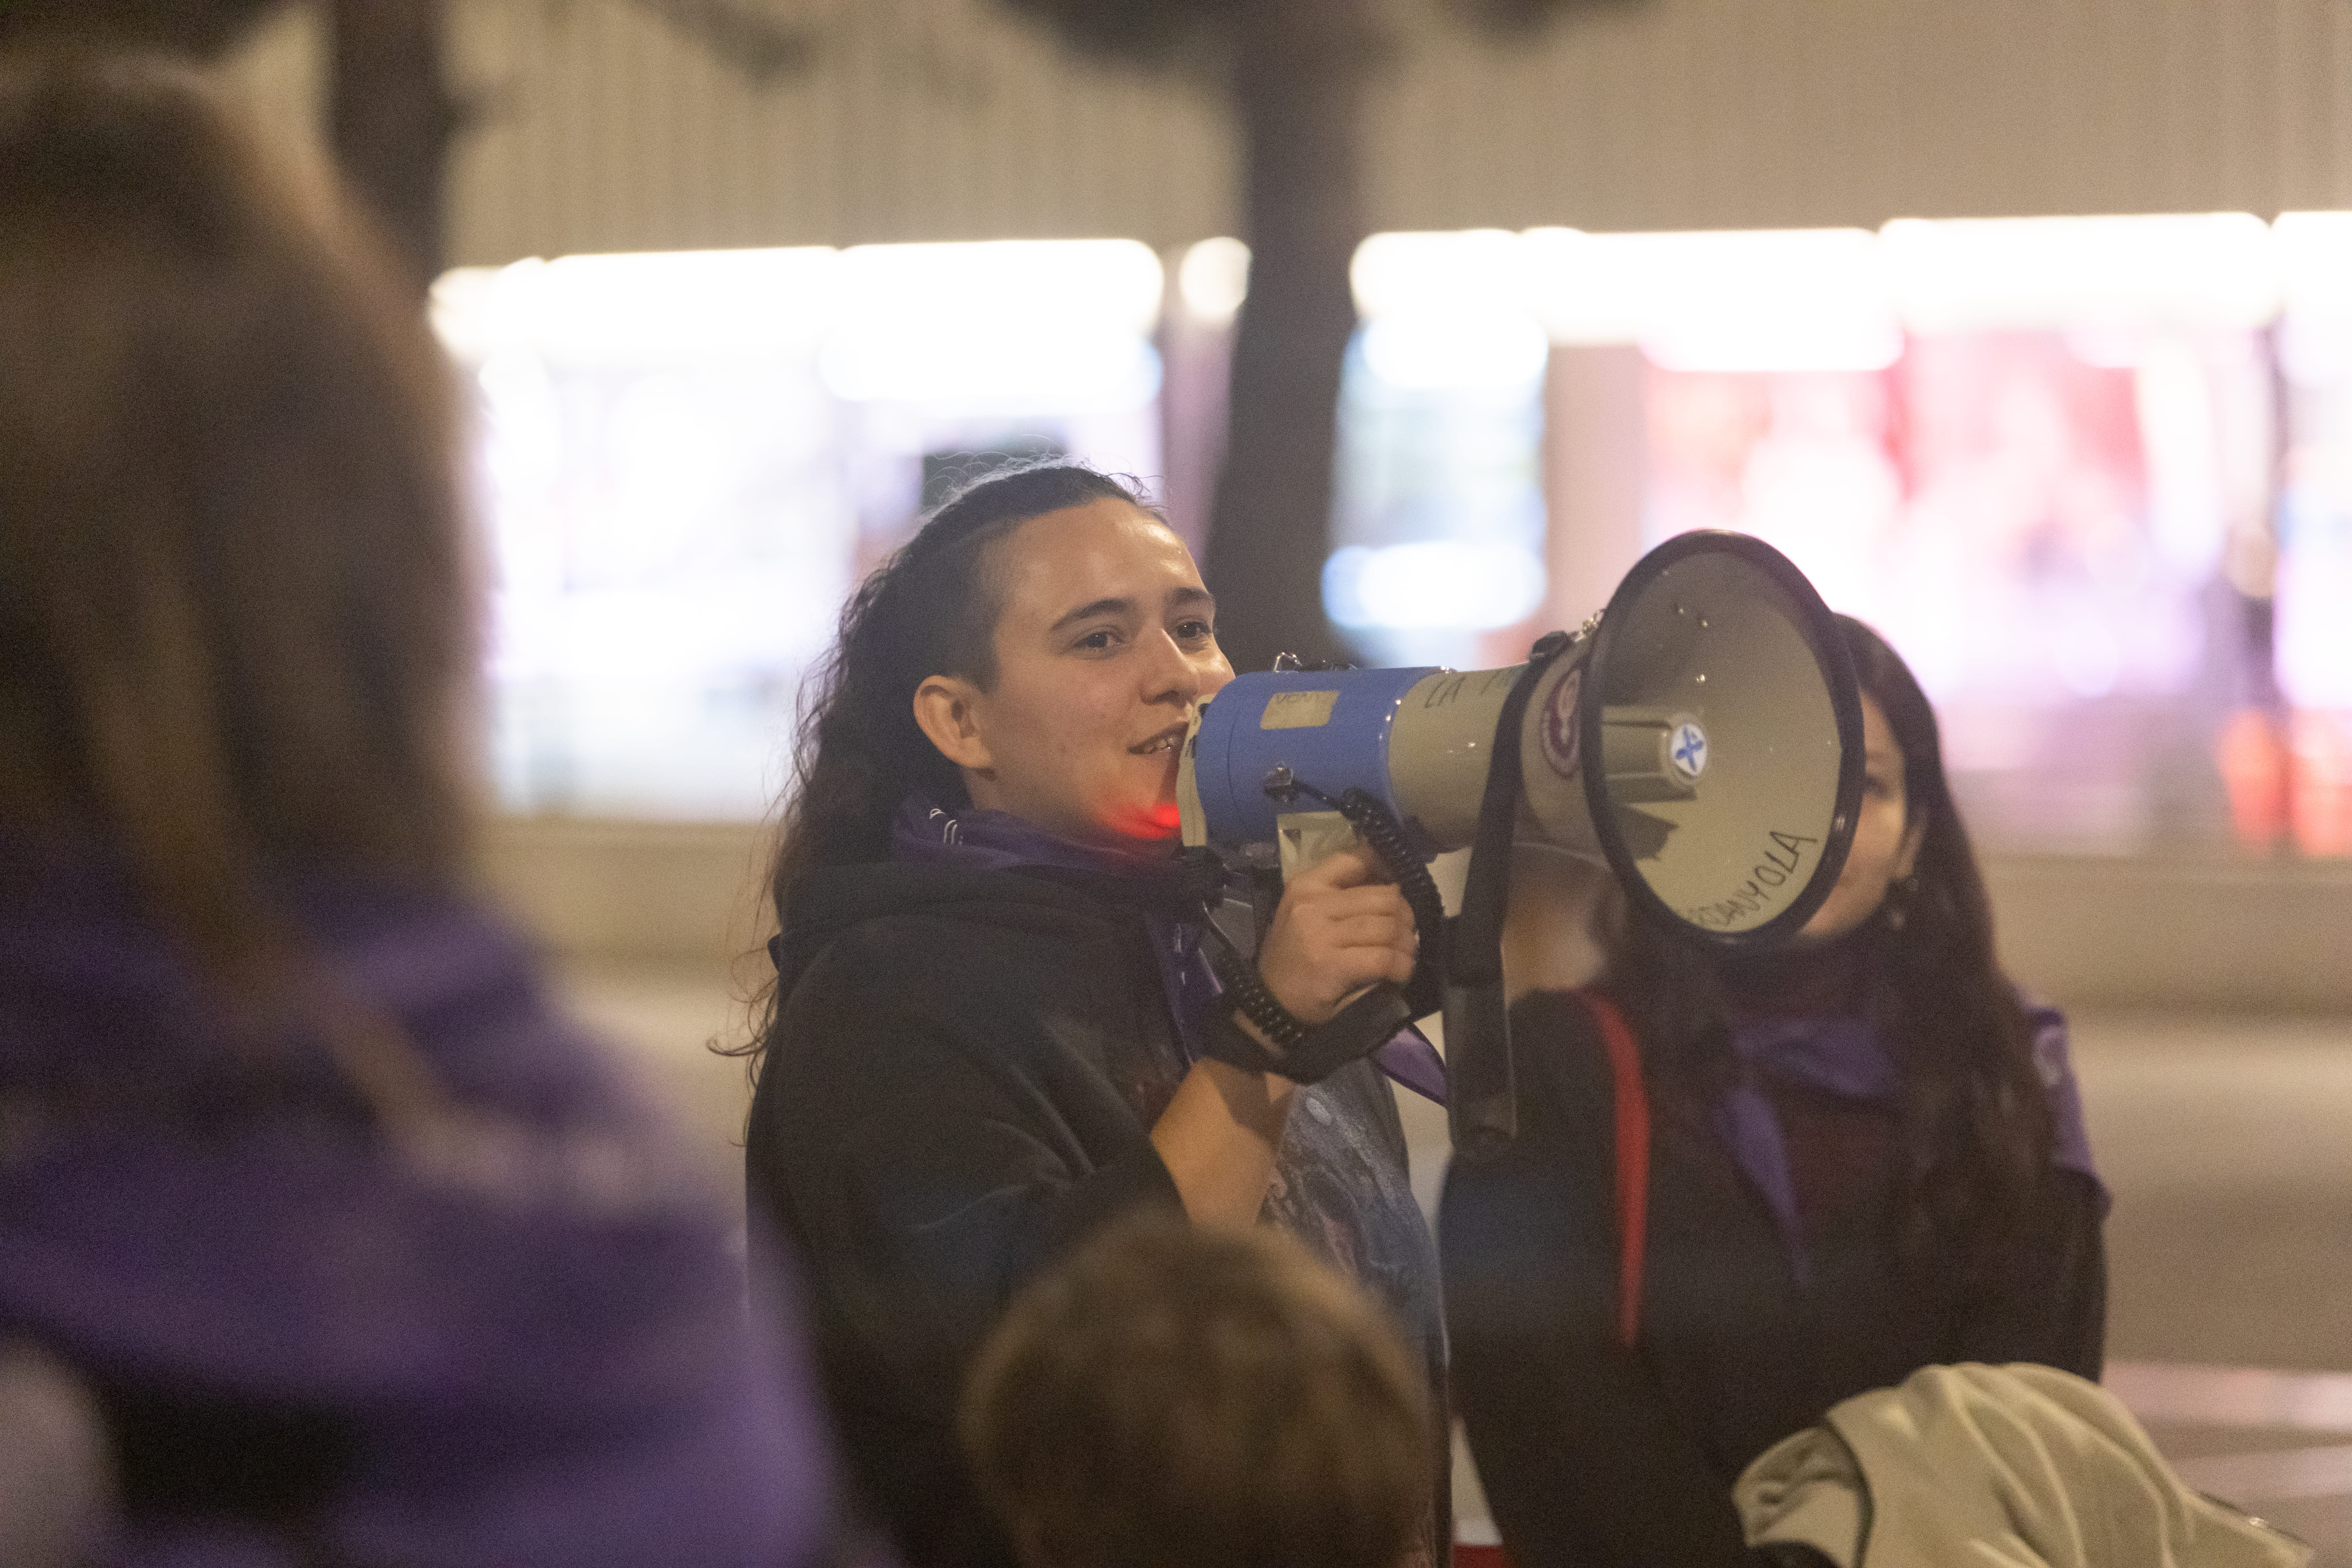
1975 1120
233 594
1173 1396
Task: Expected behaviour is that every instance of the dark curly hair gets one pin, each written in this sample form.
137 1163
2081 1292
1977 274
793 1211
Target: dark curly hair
930 609
1976 1122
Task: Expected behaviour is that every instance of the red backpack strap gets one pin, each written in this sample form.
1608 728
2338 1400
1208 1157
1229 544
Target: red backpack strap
1632 1159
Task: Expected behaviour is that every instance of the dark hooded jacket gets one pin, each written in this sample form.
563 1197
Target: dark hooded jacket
1598 1456
963 1083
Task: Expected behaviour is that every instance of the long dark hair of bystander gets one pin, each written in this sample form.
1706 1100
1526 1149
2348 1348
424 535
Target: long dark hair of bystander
1975 1120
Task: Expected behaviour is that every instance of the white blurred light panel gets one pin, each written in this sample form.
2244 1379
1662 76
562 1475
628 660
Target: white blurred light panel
1017 324
734 304
1434 584
2058 274
1732 301
1463 347
2315 252
1440 272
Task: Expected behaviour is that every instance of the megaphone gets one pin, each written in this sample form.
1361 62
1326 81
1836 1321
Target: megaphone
1702 736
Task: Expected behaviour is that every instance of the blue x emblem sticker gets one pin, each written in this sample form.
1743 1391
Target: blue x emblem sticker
1689 750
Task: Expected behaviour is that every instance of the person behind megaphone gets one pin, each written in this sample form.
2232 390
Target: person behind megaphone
993 1027
1855 1155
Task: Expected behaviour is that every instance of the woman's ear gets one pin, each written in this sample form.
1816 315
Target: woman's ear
1907 858
947 711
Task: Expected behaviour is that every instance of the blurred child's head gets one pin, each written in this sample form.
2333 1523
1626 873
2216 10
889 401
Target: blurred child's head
1180 1396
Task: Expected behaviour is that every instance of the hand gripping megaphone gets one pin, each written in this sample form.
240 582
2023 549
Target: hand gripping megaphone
1702 736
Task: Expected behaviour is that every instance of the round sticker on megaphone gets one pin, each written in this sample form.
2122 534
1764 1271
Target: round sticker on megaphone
1687 749
1560 746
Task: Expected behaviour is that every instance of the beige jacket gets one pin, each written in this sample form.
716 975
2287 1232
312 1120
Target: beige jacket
1988 1466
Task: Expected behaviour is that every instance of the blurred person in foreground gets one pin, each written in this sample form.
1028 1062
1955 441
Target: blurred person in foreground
362 1253
994 1026
1867 1155
1172 1397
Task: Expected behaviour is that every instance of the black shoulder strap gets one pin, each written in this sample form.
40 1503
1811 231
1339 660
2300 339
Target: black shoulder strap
1480 1093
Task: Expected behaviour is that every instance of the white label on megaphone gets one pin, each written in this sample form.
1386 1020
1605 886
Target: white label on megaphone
1687 749
1298 709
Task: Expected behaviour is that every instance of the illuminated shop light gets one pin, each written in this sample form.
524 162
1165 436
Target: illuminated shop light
1214 279
2053 274
609 310
2315 252
1434 584
1730 301
1488 267
2315 261
1022 324
1463 348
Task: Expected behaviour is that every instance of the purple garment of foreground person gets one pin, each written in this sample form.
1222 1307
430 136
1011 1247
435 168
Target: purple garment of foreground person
510 1334
1848 1058
998 841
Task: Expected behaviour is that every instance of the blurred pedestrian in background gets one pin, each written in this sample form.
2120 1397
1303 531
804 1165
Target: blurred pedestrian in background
994 1026
360 1252
1866 1155
1172 1397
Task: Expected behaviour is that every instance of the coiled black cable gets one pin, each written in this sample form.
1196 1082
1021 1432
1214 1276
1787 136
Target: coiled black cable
1378 827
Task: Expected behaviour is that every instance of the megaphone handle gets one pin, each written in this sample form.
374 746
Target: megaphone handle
1385 836
1281 1044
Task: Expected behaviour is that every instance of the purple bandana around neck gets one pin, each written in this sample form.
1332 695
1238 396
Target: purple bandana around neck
924 834
1847 1058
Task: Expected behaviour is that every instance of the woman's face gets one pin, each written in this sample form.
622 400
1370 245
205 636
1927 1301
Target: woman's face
1885 844
1106 644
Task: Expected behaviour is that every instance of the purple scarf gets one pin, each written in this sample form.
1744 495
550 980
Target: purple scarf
998 841
1845 1058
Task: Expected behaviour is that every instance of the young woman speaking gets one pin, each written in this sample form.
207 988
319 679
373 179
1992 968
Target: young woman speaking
994 1025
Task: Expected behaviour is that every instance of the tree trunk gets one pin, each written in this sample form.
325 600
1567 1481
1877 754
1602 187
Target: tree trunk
1301 72
390 121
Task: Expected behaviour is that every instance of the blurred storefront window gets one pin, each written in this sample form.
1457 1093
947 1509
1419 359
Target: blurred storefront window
686 461
1438 514
2093 476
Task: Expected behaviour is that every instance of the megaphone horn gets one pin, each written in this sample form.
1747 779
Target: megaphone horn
1702 736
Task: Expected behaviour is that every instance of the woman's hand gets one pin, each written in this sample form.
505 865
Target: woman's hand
1340 927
